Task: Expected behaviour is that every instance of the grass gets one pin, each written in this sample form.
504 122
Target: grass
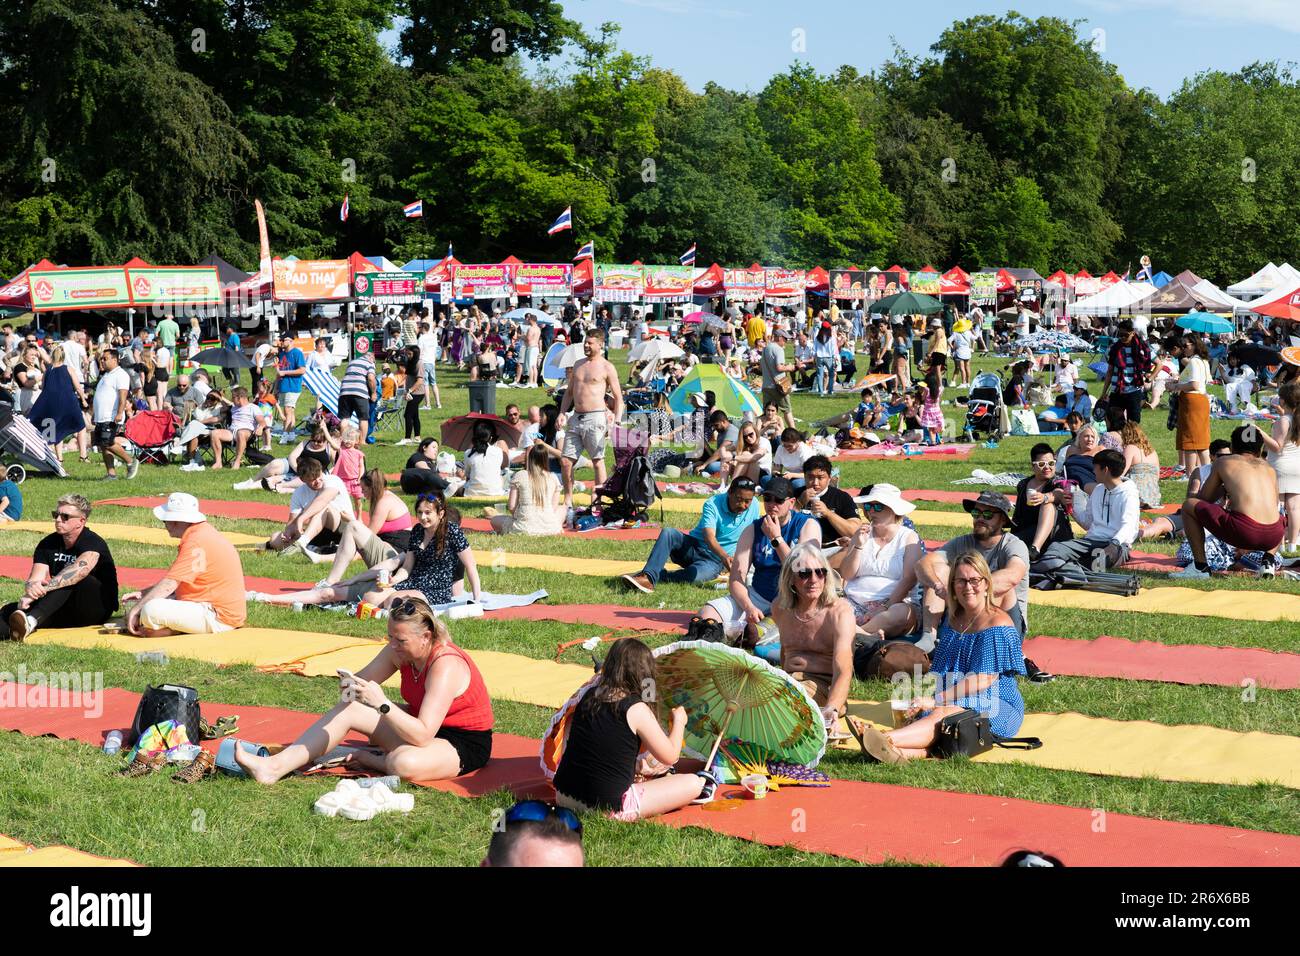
226 822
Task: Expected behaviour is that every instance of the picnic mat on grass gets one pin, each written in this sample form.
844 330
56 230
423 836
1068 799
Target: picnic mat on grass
138 533
15 853
932 453
1172 663
643 533
1230 605
263 510
17 568
957 497
869 822
691 506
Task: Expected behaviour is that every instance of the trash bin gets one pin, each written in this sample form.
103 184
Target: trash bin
483 397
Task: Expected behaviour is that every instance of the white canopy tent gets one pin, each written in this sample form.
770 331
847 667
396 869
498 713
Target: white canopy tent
1265 280
1118 298
1216 299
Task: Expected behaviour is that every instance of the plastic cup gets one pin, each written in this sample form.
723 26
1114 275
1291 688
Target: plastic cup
756 784
383 579
900 709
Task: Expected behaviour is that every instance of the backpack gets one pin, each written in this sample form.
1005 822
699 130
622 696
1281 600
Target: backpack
884 659
640 488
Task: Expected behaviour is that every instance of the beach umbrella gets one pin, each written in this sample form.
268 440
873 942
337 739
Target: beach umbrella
1291 355
552 373
458 432
1204 322
906 303
221 358
654 350
570 356
728 692
1049 340
733 396
557 735
521 316
695 318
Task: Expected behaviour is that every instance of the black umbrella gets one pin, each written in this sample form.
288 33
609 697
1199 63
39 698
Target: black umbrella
222 358
1256 356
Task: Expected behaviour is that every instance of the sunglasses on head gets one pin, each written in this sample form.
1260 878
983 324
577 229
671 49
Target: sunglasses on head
806 573
986 514
538 811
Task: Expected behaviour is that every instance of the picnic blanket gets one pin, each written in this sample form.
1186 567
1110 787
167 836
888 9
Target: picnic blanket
1172 663
888 450
154 534
15 853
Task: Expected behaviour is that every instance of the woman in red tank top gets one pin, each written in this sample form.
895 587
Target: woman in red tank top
443 730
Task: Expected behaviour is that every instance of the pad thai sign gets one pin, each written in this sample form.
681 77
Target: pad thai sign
308 280
174 285
100 287
483 281
619 283
544 279
669 283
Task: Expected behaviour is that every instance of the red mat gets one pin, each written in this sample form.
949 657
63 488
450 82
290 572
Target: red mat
17 568
869 822
262 510
612 616
942 453
1173 663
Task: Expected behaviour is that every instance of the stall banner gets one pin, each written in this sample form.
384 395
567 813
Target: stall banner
669 283
886 283
363 344
495 281
984 288
744 285
783 283
388 288
310 280
1088 286
548 279
619 283
926 283
174 286
99 287
848 284
1027 289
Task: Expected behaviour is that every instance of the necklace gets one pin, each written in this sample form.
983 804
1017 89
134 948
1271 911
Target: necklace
961 632
417 676
805 619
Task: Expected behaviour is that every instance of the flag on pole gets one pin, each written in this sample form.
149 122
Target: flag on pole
564 222
688 257
343 210
414 210
449 250
588 251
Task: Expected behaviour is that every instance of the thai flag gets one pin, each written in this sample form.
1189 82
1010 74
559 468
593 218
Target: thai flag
688 257
449 250
414 210
564 222
588 251
343 210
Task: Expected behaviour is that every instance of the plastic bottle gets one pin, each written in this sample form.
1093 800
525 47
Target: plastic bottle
113 743
391 782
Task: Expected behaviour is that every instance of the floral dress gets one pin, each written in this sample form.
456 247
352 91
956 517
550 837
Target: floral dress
931 413
434 572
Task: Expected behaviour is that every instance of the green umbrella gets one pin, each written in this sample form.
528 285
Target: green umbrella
906 303
733 396
728 692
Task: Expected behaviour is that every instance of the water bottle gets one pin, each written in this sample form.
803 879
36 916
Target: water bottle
391 782
151 657
113 743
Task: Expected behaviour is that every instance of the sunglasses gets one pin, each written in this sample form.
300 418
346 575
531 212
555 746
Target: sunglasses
806 573
774 500
873 506
61 516
1046 463
987 515
538 811
406 608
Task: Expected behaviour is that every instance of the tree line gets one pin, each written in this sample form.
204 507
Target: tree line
147 127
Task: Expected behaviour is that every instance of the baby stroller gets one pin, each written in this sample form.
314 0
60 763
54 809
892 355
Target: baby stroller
630 490
151 433
984 410
24 449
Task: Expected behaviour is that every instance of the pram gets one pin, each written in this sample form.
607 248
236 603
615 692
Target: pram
984 410
151 433
630 490
24 449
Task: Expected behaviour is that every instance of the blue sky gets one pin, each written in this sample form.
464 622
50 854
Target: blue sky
741 43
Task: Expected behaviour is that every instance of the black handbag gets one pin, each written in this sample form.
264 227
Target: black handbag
968 734
168 702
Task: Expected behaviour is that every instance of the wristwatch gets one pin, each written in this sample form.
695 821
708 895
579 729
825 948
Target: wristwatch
384 708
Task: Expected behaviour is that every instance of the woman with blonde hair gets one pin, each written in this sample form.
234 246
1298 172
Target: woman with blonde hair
975 665
536 499
816 627
1141 464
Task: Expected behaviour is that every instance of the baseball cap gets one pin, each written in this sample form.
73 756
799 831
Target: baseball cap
779 488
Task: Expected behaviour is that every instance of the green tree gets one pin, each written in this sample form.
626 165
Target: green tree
1013 226
440 33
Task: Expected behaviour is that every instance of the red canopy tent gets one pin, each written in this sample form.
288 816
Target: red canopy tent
17 293
1283 303
360 263
817 280
1062 278
956 281
957 272
435 277
1006 281
708 282
584 278
1109 279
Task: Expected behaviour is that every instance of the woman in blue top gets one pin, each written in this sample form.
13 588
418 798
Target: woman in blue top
975 664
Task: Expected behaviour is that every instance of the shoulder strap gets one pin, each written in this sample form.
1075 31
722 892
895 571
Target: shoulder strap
1018 743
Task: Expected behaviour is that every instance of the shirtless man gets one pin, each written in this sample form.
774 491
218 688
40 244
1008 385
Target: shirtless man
817 629
532 345
589 380
1251 520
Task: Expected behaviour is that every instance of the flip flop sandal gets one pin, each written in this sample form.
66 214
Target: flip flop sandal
144 764
386 801
880 747
224 727
202 766
858 728
358 806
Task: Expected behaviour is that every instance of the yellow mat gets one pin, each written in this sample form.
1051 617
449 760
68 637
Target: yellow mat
16 853
1138 748
1230 605
674 503
9 843
588 567
958 519
138 533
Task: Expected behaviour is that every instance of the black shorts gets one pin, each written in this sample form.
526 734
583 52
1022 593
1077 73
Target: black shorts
353 405
105 434
474 747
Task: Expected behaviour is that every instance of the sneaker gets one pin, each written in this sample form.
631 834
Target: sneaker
640 582
710 787
256 596
1267 566
133 469
323 583
248 485
192 466
21 625
1190 573
293 550
111 476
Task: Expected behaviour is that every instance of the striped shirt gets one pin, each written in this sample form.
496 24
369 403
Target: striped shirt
354 381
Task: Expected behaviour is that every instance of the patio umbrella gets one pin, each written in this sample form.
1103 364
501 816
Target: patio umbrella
458 432
1258 356
1291 355
654 350
712 321
222 358
521 316
1051 341
1204 322
570 356
728 692
906 303
694 318
733 396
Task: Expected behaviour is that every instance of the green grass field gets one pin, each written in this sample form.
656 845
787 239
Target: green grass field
66 792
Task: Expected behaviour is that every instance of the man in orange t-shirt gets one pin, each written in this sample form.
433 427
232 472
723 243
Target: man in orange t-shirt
203 591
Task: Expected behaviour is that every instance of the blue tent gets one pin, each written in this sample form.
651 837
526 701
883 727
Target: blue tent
420 265
1161 279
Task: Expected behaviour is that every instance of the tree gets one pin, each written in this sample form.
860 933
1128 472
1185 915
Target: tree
441 33
1013 226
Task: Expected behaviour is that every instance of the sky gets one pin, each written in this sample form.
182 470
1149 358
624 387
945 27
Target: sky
740 44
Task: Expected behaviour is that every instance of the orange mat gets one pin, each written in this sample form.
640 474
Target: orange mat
17 568
1172 663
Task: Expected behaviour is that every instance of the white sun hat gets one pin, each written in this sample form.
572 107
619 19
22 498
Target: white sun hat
889 496
180 507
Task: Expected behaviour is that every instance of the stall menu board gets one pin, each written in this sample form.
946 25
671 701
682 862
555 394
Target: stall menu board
926 283
984 288
848 284
388 288
100 287
545 279
744 285
669 283
311 280
483 281
619 283
783 284
1027 289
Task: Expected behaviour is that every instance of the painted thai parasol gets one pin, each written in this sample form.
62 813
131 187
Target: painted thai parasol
728 692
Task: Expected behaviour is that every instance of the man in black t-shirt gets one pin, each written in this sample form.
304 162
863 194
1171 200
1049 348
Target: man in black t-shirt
833 509
73 581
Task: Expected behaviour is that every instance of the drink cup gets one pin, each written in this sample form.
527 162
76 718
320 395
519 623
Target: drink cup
900 709
756 784
383 579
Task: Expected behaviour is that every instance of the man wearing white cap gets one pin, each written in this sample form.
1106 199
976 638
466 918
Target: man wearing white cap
203 591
